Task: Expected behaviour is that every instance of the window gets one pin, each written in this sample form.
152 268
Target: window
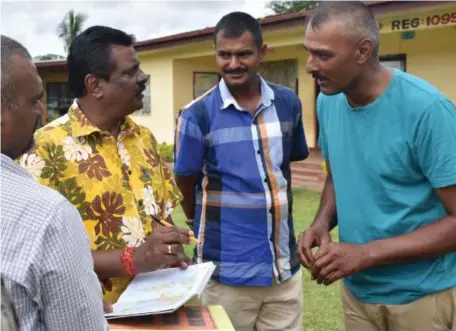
397 61
203 82
146 110
283 72
59 99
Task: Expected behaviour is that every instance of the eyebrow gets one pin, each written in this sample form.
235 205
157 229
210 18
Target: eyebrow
133 67
40 95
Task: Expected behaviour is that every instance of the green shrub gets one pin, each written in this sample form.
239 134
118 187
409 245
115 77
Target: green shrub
166 151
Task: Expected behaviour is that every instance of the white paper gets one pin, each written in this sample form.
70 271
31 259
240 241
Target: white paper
162 291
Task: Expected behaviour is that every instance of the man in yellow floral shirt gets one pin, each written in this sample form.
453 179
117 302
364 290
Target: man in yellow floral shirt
108 166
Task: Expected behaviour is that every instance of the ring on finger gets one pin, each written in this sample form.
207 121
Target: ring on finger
169 249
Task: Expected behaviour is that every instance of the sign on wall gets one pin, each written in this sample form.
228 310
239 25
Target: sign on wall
419 22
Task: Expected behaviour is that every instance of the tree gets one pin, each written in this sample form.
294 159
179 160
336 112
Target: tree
282 7
70 27
48 57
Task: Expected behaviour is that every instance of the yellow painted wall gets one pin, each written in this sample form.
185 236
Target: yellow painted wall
160 121
431 55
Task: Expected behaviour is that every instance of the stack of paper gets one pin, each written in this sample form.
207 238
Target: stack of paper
162 291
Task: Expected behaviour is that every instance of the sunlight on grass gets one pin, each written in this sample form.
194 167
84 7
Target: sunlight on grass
322 307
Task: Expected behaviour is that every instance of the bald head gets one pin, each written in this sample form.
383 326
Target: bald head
10 48
355 19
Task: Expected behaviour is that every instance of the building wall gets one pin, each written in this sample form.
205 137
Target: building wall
430 55
160 121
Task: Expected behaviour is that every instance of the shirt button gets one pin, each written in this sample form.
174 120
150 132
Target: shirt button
265 180
129 172
270 210
258 151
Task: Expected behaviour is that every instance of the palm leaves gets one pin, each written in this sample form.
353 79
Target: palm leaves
70 27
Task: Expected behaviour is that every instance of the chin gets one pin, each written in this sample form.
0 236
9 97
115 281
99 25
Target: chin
329 91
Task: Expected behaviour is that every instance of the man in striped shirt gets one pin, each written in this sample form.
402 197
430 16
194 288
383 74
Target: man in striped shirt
233 151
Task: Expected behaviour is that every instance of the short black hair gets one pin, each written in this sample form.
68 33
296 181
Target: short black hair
357 18
90 53
234 24
9 47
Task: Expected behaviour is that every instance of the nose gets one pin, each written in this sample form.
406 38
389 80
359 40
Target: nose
311 66
142 78
234 62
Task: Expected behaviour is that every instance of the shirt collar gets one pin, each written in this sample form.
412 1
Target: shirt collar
267 95
8 164
81 126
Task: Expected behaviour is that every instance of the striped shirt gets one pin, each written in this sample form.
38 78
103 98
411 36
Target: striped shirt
46 264
243 214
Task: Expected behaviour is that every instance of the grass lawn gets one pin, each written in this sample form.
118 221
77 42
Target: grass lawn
322 308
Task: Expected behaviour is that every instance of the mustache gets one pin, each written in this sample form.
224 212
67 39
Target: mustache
319 77
141 88
235 71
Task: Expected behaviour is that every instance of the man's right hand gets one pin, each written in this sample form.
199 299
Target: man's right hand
315 236
162 247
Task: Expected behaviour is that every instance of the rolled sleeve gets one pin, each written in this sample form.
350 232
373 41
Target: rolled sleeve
435 143
189 147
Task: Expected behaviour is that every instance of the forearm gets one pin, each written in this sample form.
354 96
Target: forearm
108 263
187 187
431 241
326 215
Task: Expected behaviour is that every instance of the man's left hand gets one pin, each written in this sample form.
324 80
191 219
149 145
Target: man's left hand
336 260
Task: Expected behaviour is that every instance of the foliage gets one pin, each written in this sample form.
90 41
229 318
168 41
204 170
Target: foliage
70 27
282 7
48 57
166 152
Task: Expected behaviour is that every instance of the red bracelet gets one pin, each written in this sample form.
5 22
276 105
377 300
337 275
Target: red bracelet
126 257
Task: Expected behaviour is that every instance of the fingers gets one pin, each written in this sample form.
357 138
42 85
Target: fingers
176 235
307 246
301 255
325 239
335 276
322 251
325 272
319 264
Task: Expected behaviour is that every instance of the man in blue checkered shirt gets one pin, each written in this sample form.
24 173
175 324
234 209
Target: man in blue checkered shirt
233 150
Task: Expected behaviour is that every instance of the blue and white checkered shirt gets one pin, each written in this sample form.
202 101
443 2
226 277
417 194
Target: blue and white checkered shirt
46 264
244 200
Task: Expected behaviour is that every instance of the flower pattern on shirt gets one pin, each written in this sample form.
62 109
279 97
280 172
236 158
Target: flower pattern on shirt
116 184
76 150
33 164
133 232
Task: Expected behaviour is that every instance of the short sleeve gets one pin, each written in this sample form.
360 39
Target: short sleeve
435 143
322 140
300 150
189 147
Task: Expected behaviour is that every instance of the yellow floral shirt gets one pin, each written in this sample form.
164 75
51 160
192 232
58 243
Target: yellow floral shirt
115 184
